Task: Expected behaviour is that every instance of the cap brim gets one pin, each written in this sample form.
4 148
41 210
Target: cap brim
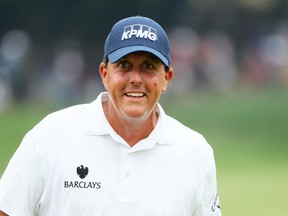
120 53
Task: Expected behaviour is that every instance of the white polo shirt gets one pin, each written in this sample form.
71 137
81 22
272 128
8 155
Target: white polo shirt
74 163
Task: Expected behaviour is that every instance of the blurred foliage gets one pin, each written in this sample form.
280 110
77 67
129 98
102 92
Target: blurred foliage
91 20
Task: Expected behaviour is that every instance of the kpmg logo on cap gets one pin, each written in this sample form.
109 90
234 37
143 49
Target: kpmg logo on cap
139 31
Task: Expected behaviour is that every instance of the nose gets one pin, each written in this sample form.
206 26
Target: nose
136 77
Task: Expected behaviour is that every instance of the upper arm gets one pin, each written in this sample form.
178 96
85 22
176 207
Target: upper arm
21 185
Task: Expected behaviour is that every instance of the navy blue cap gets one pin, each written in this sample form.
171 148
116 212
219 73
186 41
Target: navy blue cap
135 34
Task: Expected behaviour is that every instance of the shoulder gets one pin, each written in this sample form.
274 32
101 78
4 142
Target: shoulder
186 139
70 120
69 116
71 113
190 147
184 132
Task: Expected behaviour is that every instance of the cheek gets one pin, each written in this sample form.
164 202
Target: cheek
156 84
115 82
164 86
106 83
160 87
159 84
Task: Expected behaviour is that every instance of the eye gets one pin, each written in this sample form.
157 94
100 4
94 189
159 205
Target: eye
124 64
148 66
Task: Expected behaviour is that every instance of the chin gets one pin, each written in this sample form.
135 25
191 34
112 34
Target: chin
135 114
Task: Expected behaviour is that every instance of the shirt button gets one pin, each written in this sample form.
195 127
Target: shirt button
127 174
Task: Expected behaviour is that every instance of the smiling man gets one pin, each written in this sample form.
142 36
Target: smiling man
135 84
121 154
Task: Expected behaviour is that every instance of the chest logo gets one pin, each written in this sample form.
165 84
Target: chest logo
82 171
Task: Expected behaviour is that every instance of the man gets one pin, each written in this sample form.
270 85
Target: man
120 155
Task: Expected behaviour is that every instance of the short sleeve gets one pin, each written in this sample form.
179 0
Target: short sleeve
209 204
21 185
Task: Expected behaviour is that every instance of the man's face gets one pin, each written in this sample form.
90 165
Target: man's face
135 84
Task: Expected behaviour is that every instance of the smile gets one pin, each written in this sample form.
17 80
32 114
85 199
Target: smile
135 94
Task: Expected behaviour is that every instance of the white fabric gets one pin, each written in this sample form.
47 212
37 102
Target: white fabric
170 173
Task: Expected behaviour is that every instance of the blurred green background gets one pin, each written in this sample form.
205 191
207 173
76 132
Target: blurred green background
231 80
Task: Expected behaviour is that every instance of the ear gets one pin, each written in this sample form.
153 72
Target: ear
168 78
103 73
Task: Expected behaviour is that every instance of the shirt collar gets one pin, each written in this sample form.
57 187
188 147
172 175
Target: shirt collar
99 125
98 122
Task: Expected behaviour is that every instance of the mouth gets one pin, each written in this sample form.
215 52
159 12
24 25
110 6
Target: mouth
135 94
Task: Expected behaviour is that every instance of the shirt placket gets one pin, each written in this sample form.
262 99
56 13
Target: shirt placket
126 193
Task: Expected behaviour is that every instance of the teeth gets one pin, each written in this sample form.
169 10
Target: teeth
135 94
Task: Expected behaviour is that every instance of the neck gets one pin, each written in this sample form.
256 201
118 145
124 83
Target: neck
132 130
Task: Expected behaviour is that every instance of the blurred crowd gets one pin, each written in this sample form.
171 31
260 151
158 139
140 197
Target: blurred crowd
65 74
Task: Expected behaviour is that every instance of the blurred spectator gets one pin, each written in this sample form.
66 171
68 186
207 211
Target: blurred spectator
266 62
253 71
273 49
184 45
215 63
5 95
62 80
202 62
14 49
